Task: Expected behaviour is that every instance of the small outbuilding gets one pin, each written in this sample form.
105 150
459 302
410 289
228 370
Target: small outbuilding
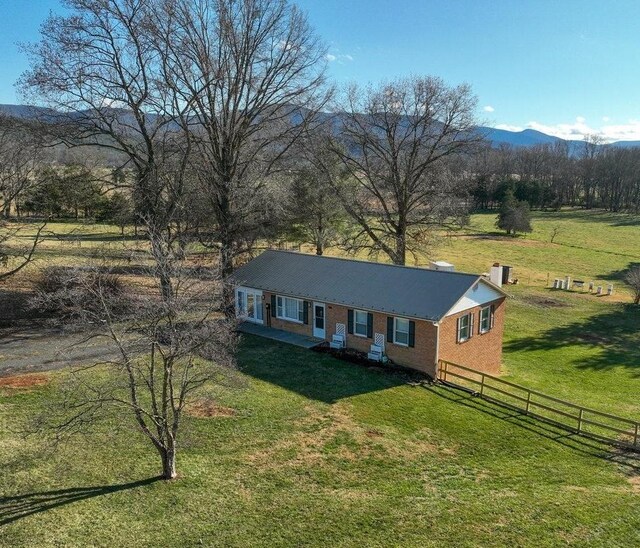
416 316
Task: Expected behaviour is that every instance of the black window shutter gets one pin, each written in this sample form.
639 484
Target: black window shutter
369 325
350 321
305 312
412 333
471 322
273 306
458 330
389 329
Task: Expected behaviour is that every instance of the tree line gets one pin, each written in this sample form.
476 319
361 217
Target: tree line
589 174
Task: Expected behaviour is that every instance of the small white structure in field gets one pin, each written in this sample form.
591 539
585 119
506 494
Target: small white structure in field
567 282
443 266
610 289
599 290
591 284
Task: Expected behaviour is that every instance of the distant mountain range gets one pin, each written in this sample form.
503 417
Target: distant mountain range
531 137
497 137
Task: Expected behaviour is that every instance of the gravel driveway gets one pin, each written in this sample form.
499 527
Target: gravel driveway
27 349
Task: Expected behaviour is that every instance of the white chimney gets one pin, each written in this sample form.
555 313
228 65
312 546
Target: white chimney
496 274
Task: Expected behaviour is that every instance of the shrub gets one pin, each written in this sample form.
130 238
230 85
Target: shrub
80 293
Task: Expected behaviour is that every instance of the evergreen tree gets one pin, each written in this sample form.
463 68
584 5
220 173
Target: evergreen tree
514 216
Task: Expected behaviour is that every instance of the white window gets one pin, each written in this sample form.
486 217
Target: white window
249 304
485 319
241 303
401 331
360 322
465 327
290 309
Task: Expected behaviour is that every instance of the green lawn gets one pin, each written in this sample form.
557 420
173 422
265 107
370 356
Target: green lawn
320 452
569 344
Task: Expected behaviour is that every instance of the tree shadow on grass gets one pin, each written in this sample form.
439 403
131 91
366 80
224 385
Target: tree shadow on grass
616 334
20 506
316 376
620 275
96 237
593 216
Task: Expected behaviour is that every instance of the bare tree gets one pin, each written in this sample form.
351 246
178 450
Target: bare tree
20 155
98 70
396 141
252 75
165 351
13 257
633 279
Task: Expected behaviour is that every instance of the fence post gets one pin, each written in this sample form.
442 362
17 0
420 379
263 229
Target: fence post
526 409
580 420
445 371
482 385
635 436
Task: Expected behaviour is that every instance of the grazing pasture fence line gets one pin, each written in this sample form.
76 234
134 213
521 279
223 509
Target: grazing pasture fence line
564 414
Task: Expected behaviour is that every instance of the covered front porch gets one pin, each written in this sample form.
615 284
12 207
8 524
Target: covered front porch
295 339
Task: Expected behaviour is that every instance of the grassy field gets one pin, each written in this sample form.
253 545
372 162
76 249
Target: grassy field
571 344
320 452
313 451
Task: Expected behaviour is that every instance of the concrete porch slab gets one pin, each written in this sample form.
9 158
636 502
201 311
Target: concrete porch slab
278 335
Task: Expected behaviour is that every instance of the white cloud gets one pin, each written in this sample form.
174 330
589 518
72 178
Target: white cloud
488 108
340 58
579 129
606 119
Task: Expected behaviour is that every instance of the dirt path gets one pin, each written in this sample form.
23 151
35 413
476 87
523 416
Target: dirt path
27 349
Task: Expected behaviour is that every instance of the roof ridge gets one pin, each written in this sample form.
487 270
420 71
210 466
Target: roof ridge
355 260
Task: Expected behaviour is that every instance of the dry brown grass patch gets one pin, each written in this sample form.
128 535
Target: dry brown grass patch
324 435
207 408
24 382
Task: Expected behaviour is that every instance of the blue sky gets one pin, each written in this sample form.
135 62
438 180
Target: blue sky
566 67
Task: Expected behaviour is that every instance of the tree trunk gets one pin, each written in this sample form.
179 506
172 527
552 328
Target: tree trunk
401 245
168 457
226 269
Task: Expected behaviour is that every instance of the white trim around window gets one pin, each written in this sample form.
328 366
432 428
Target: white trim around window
290 309
484 325
360 319
465 328
249 304
401 331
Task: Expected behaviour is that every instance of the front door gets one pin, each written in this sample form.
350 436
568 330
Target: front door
319 320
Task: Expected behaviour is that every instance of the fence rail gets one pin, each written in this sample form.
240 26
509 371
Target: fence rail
564 414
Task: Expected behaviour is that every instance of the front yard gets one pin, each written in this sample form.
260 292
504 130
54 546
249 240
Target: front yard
309 450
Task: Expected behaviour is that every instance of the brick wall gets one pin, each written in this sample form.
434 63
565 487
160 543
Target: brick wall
285 325
421 356
482 351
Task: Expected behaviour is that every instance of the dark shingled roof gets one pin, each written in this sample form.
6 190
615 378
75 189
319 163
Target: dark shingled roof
399 290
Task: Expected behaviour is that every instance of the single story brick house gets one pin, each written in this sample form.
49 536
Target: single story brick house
416 315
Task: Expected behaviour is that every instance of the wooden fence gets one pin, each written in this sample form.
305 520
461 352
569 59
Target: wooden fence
566 415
